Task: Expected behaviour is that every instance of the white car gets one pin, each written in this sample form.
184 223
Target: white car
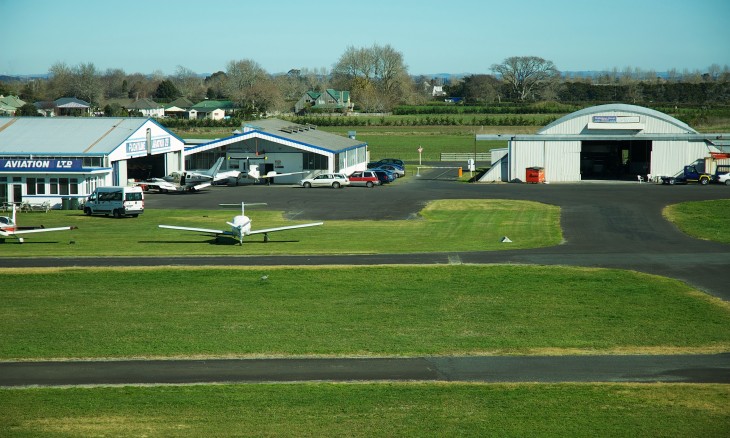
724 179
335 180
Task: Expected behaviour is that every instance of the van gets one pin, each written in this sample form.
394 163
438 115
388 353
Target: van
115 200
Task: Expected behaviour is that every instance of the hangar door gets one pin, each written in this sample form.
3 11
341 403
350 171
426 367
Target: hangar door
146 167
617 160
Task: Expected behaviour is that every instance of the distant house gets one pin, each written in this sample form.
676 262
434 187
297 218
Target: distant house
147 107
9 104
331 99
64 106
178 108
211 109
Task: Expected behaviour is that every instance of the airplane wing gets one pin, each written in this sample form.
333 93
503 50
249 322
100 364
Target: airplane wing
290 227
199 230
39 230
273 174
201 186
160 185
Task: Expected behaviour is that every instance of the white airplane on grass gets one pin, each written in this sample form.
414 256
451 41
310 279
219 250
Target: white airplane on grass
190 181
241 226
9 228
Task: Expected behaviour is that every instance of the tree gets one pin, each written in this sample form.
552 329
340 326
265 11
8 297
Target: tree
380 66
216 85
27 110
525 73
250 86
167 91
87 83
481 88
188 82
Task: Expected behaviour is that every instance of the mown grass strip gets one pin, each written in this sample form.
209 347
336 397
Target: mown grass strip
448 225
348 311
387 409
708 220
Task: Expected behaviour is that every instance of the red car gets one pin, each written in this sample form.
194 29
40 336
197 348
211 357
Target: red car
365 178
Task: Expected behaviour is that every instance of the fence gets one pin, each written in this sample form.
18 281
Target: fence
463 156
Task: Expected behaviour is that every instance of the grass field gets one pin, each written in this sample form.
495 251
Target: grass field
364 311
366 410
708 220
442 226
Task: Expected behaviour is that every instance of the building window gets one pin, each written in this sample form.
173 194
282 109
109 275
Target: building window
54 186
41 186
30 186
312 161
74 185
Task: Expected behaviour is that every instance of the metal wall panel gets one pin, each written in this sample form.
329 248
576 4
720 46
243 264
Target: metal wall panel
562 161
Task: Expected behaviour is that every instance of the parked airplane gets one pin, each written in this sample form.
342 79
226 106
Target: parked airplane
241 226
190 180
255 173
9 228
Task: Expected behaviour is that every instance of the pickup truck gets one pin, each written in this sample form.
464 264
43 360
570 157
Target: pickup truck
689 175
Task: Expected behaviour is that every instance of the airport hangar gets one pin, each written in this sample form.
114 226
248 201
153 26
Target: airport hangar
607 142
283 147
65 158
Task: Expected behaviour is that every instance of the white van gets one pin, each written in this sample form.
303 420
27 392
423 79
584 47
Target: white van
115 200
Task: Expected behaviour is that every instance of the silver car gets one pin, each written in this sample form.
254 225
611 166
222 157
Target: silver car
335 180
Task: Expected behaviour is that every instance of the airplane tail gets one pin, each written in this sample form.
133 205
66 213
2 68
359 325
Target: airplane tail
214 170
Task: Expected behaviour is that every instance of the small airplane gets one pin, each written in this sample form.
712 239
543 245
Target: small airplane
190 181
9 228
241 226
255 174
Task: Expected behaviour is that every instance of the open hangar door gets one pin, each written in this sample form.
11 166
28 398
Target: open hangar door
149 166
615 160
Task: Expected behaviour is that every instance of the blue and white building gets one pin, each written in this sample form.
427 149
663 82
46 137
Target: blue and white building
52 159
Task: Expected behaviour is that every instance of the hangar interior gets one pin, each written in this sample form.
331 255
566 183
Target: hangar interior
606 159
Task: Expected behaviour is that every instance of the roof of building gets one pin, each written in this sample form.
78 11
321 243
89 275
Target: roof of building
620 107
273 129
66 135
144 103
13 101
210 105
71 102
180 102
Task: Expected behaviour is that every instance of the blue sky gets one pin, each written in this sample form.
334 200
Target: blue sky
455 36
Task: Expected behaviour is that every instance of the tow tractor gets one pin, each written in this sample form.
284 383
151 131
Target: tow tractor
688 175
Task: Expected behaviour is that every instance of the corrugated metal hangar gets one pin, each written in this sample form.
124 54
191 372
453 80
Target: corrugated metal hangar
607 142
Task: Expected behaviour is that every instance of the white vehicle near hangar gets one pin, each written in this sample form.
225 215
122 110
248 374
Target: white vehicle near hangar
607 142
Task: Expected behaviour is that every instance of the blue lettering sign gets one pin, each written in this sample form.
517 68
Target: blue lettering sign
30 165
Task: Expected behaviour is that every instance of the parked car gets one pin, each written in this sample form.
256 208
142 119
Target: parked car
384 176
394 168
366 178
387 161
724 179
335 180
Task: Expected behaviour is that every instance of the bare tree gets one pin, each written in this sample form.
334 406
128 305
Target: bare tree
250 86
381 67
188 83
525 73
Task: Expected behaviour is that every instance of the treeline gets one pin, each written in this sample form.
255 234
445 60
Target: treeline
514 120
647 92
